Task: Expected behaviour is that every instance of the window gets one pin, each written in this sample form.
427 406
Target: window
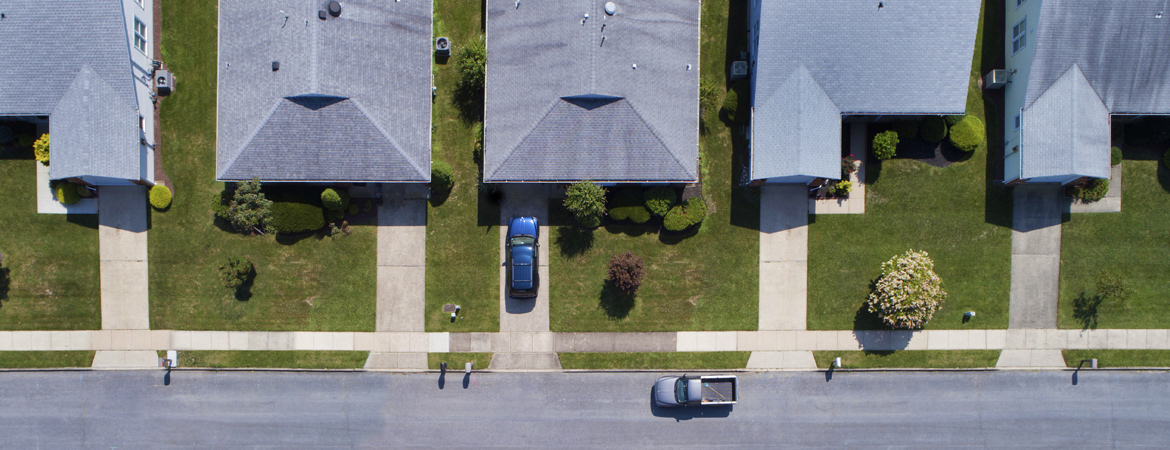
139 35
1017 122
1019 33
1020 3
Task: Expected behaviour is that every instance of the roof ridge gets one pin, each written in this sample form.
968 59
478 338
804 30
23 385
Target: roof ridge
512 150
393 142
654 132
251 137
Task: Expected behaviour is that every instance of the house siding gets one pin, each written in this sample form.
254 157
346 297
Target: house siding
1017 87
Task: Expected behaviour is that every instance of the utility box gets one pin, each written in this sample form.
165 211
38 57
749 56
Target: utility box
739 70
995 79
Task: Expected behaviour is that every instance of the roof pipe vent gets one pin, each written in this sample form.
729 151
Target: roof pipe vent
334 8
275 66
610 8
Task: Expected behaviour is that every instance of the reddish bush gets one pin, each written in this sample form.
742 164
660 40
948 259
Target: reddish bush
626 272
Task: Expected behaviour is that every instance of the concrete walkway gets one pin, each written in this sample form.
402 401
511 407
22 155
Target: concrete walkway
402 257
783 257
122 250
525 321
1036 216
1110 204
855 204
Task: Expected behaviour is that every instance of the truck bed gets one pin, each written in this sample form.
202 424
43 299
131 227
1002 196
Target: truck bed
719 390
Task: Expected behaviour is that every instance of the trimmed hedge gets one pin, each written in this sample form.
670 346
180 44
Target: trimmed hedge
160 197
659 200
292 217
331 200
968 134
1114 156
934 129
885 144
442 177
686 215
66 192
953 120
627 205
906 129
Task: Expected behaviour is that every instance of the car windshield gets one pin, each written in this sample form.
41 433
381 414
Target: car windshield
523 240
680 390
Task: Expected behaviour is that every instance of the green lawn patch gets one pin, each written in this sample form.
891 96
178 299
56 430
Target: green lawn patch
51 260
707 281
959 214
1131 244
655 360
463 236
456 361
45 360
307 282
910 359
273 359
1119 358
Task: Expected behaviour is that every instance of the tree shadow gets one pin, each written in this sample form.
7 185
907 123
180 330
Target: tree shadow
5 281
468 100
863 319
244 290
615 302
674 237
1085 310
488 208
1163 176
572 241
438 198
628 229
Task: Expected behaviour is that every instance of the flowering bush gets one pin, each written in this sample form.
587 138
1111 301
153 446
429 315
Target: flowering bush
848 166
908 292
841 189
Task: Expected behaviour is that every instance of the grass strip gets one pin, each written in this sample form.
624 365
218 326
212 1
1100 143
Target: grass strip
655 360
910 359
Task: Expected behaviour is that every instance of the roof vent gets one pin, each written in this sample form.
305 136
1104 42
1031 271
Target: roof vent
321 14
334 8
275 66
610 8
1158 15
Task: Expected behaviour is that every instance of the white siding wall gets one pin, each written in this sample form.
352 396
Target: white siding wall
143 83
1016 89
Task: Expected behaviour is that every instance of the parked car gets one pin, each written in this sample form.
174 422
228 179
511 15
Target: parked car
671 391
523 257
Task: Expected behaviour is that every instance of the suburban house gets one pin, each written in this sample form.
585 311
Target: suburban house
816 63
85 69
1074 66
321 91
592 90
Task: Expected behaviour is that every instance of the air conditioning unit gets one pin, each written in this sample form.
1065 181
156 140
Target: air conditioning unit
739 70
164 82
995 79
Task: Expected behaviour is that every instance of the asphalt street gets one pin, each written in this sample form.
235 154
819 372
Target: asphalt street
201 409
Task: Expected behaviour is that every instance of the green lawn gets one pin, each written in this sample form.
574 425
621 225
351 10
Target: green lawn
1131 243
273 359
51 260
910 359
463 238
959 214
703 282
45 360
314 283
1119 358
455 361
656 360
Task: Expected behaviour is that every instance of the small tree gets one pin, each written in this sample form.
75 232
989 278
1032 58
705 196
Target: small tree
235 271
249 210
908 292
1112 287
586 201
41 149
472 59
626 272
885 144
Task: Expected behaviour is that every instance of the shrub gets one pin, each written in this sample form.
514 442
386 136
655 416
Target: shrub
84 191
368 206
731 104
235 271
952 120
626 272
1155 129
627 204
968 134
249 209
477 131
659 200
684 216
1166 159
472 58
934 129
6 135
26 140
331 200
442 177
353 209
292 217
885 144
841 189
160 197
586 201
1092 191
708 95
908 292
1114 156
41 149
906 129
66 193
848 166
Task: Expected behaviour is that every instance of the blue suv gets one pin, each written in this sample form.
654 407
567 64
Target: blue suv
522 254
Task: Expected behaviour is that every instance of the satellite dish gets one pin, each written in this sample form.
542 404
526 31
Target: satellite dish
610 8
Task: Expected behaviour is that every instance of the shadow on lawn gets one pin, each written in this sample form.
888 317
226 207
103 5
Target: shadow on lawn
1085 310
615 302
572 241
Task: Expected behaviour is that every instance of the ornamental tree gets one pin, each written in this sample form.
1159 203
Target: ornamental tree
626 272
249 210
586 201
908 292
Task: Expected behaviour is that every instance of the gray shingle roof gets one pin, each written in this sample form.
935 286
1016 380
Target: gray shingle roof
540 54
804 133
1122 48
908 57
1066 131
377 55
72 63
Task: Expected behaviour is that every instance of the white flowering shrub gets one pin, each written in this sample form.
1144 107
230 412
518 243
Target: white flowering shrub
908 292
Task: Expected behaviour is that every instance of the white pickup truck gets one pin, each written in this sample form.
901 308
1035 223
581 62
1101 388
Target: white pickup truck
671 391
